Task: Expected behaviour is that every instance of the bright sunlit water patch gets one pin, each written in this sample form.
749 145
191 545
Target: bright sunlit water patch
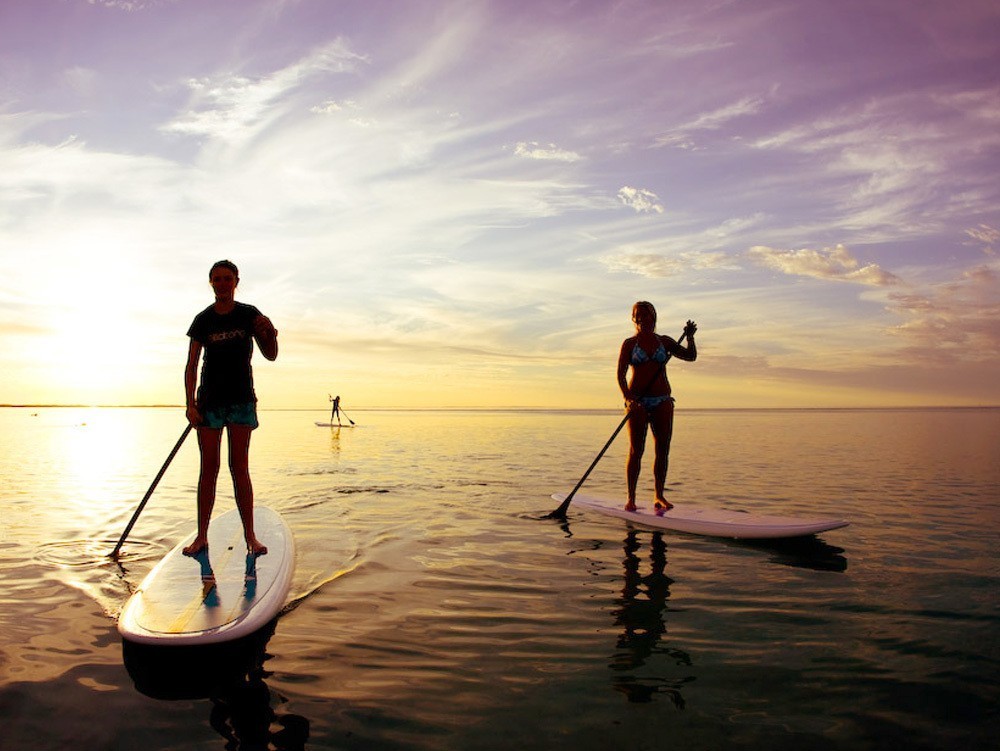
433 607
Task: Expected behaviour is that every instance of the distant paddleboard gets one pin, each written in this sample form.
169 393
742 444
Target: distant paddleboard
710 522
220 594
332 425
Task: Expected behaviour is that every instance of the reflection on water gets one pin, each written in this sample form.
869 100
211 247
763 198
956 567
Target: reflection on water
801 552
245 711
641 615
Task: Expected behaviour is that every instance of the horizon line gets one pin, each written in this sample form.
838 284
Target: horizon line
487 408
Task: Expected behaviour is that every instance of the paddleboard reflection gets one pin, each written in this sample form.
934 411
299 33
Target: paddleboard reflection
800 552
231 675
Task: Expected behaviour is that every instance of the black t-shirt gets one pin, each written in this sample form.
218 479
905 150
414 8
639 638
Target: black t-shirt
227 342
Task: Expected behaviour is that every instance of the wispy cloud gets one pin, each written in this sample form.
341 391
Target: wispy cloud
682 135
835 264
641 200
549 153
985 236
660 266
231 105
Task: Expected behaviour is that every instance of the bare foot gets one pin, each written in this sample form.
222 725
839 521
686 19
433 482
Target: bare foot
199 544
256 547
662 504
630 506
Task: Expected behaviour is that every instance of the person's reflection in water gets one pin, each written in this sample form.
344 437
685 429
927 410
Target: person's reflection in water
232 677
250 578
243 716
243 708
641 616
209 591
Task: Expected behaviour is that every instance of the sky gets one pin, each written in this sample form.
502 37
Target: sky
455 203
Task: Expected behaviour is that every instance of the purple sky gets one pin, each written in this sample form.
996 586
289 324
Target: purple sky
456 203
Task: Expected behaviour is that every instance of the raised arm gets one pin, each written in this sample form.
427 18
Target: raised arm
688 353
266 337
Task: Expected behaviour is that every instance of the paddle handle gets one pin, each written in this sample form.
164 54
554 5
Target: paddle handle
560 513
152 487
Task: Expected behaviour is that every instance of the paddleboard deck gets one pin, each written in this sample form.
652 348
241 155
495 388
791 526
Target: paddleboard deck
709 522
220 594
332 425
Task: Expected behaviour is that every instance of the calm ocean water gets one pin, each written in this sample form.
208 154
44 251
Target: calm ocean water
434 609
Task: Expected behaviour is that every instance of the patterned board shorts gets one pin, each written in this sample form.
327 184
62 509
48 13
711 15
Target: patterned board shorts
232 414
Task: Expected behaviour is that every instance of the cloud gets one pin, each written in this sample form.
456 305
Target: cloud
642 200
680 135
964 311
229 106
660 266
836 264
907 162
551 153
987 236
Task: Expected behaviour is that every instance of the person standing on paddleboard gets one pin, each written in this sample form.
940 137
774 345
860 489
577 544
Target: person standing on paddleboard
225 399
647 396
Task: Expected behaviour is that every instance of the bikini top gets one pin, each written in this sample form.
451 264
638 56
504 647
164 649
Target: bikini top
639 355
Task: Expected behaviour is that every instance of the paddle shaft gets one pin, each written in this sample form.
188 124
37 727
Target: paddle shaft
560 513
152 487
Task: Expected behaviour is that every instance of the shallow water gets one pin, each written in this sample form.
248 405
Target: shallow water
433 607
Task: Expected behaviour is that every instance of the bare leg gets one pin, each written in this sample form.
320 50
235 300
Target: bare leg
209 442
239 467
637 422
662 424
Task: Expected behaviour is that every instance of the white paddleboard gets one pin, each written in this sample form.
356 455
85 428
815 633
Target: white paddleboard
707 521
218 595
332 425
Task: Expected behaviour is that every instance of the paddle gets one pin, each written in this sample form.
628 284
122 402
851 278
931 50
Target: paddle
156 480
348 418
560 513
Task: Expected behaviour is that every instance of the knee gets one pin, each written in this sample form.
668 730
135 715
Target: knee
238 468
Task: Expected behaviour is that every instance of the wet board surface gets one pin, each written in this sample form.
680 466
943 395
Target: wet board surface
333 425
220 594
707 521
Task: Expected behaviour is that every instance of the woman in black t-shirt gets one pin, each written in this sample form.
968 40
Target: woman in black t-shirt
224 332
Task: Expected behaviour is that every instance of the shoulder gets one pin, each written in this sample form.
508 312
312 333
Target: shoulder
202 319
202 315
247 311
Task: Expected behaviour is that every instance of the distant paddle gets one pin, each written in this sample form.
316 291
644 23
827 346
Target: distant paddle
560 513
156 480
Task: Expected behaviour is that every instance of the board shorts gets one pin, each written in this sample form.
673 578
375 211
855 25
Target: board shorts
232 414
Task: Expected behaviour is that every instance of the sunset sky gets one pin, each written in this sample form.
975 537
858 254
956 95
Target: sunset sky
455 203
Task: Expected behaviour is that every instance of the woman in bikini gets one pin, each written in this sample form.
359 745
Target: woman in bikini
647 396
